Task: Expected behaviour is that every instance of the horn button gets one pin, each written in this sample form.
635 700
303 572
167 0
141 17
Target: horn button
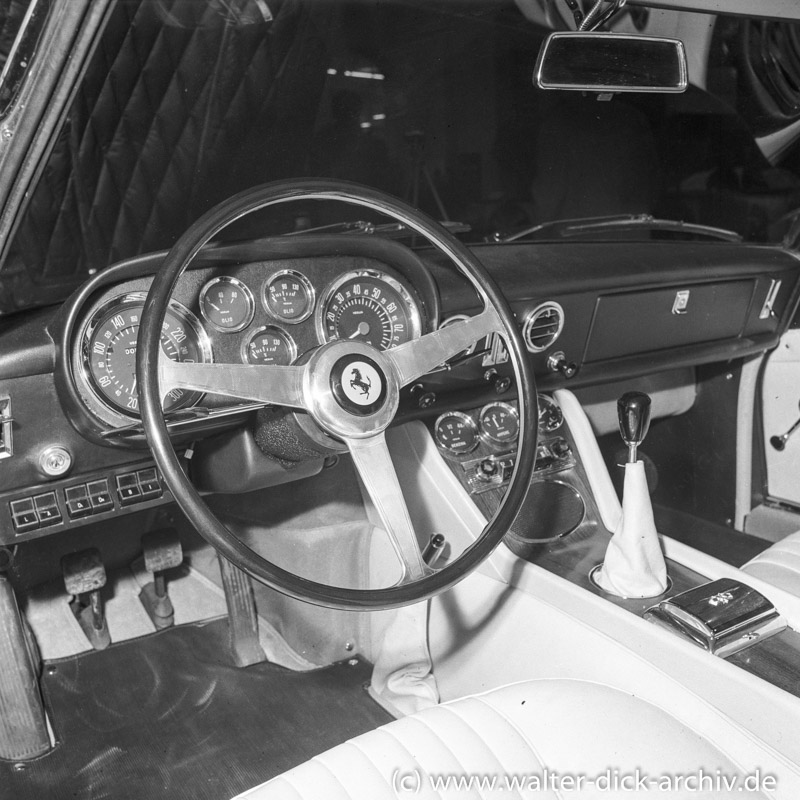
353 391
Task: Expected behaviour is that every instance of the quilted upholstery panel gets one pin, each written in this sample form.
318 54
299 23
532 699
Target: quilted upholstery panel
779 564
182 104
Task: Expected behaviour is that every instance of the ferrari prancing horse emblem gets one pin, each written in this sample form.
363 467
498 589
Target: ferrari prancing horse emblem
361 383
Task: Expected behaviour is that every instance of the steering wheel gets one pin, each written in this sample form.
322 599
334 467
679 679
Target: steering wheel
321 389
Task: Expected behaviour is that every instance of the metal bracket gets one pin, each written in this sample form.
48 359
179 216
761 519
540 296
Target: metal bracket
596 18
6 433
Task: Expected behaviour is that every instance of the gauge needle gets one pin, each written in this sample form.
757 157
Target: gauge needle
361 330
216 308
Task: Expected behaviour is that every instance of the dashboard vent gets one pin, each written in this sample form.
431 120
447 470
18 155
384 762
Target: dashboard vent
542 326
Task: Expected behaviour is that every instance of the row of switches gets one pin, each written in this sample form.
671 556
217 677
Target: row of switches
85 499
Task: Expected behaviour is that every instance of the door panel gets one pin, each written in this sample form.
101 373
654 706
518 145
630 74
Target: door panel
780 396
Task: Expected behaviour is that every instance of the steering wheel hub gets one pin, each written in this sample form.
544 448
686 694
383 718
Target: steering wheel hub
351 390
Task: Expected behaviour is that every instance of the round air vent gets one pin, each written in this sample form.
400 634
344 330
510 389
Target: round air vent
542 326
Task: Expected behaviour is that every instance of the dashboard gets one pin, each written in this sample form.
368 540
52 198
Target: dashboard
589 314
265 311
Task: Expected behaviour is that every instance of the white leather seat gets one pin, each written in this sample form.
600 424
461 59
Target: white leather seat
779 564
548 733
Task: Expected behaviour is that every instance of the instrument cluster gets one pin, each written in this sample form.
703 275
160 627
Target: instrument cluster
479 445
495 426
253 313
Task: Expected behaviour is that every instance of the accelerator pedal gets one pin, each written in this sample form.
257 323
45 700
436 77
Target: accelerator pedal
84 577
162 551
23 726
242 618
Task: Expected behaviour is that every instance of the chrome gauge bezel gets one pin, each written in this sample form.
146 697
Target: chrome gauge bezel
412 309
264 329
103 312
468 420
308 287
248 295
548 403
485 435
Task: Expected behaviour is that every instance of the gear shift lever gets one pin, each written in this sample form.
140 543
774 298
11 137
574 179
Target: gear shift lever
634 565
633 410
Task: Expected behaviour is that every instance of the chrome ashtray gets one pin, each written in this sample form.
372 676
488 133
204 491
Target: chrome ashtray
723 616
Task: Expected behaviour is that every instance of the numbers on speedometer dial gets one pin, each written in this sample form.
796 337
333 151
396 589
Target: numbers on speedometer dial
371 307
109 351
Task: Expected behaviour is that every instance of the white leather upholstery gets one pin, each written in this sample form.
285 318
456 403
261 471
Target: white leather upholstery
779 564
534 730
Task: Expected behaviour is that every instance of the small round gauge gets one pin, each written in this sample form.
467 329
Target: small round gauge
456 432
371 307
499 423
227 304
289 296
270 345
109 351
550 414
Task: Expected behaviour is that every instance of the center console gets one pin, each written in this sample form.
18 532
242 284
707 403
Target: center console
567 519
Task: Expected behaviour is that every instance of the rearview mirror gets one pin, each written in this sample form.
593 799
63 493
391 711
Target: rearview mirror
611 62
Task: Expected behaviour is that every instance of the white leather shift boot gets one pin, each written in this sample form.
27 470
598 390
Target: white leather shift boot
634 564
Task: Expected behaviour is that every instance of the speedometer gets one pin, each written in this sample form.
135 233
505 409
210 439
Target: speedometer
368 306
109 351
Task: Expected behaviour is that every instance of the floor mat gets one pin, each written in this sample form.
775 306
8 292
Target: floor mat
170 716
194 596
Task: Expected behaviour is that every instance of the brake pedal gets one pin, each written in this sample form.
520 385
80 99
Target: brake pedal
84 577
162 551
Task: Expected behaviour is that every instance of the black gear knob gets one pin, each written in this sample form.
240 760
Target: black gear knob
633 410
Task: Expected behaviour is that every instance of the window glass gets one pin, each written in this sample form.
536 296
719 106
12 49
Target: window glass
185 103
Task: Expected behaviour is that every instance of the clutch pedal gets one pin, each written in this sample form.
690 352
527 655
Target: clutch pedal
84 577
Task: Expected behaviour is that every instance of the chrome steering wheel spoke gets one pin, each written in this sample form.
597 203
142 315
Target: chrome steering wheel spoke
374 465
420 356
260 383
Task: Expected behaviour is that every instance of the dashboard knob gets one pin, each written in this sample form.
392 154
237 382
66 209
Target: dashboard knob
488 469
557 362
55 461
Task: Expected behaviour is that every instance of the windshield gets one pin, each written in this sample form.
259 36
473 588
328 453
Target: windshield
185 103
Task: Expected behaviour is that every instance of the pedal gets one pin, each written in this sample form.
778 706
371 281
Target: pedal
162 551
84 577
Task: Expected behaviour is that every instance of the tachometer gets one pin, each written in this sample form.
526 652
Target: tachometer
109 351
371 307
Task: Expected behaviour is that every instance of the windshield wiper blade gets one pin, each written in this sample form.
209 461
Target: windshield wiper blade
566 228
391 230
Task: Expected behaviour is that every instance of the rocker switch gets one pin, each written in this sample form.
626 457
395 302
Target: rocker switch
99 496
128 489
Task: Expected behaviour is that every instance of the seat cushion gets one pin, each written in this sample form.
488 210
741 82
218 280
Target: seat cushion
779 564
543 739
